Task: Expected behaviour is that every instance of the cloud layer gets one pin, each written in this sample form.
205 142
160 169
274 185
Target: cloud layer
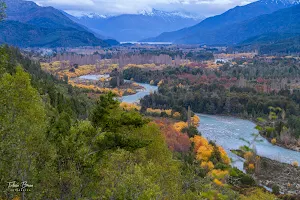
114 7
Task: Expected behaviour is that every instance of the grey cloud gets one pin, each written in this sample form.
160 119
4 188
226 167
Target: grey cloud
113 7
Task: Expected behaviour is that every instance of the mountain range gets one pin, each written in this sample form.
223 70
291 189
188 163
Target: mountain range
239 23
30 25
134 27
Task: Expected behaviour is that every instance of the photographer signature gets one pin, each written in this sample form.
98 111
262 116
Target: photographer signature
19 186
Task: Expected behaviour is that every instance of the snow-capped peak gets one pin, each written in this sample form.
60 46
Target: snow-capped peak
284 2
91 15
94 15
160 13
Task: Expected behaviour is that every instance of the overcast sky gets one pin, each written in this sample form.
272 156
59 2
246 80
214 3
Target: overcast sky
114 7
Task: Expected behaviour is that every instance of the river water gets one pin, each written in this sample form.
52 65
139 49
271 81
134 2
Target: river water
227 132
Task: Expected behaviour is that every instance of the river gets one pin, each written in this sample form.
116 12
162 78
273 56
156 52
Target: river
227 132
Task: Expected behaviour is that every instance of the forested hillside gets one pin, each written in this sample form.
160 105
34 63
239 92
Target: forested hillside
272 43
69 147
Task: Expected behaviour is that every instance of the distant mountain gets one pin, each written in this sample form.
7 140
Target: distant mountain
27 35
29 25
282 21
197 33
134 27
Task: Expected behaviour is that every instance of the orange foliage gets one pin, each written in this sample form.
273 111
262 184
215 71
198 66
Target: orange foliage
176 140
180 125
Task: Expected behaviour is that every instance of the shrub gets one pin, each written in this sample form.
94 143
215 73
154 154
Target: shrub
276 189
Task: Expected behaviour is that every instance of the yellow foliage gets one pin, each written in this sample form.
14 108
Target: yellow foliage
151 110
219 174
251 166
129 106
295 164
204 152
176 115
102 79
180 125
224 156
195 121
160 82
207 165
168 112
274 141
218 182
248 155
199 141
130 91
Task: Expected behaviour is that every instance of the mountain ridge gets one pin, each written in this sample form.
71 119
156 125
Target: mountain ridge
232 16
282 21
25 19
134 27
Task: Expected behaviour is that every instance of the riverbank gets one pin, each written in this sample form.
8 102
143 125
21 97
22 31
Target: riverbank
286 176
272 173
280 144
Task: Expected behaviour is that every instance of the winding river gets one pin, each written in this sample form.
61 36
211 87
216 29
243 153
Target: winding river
227 132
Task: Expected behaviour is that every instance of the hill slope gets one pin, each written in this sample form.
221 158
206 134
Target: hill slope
29 25
271 43
282 21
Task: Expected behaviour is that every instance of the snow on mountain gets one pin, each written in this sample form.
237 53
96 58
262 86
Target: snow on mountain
284 2
161 13
134 27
